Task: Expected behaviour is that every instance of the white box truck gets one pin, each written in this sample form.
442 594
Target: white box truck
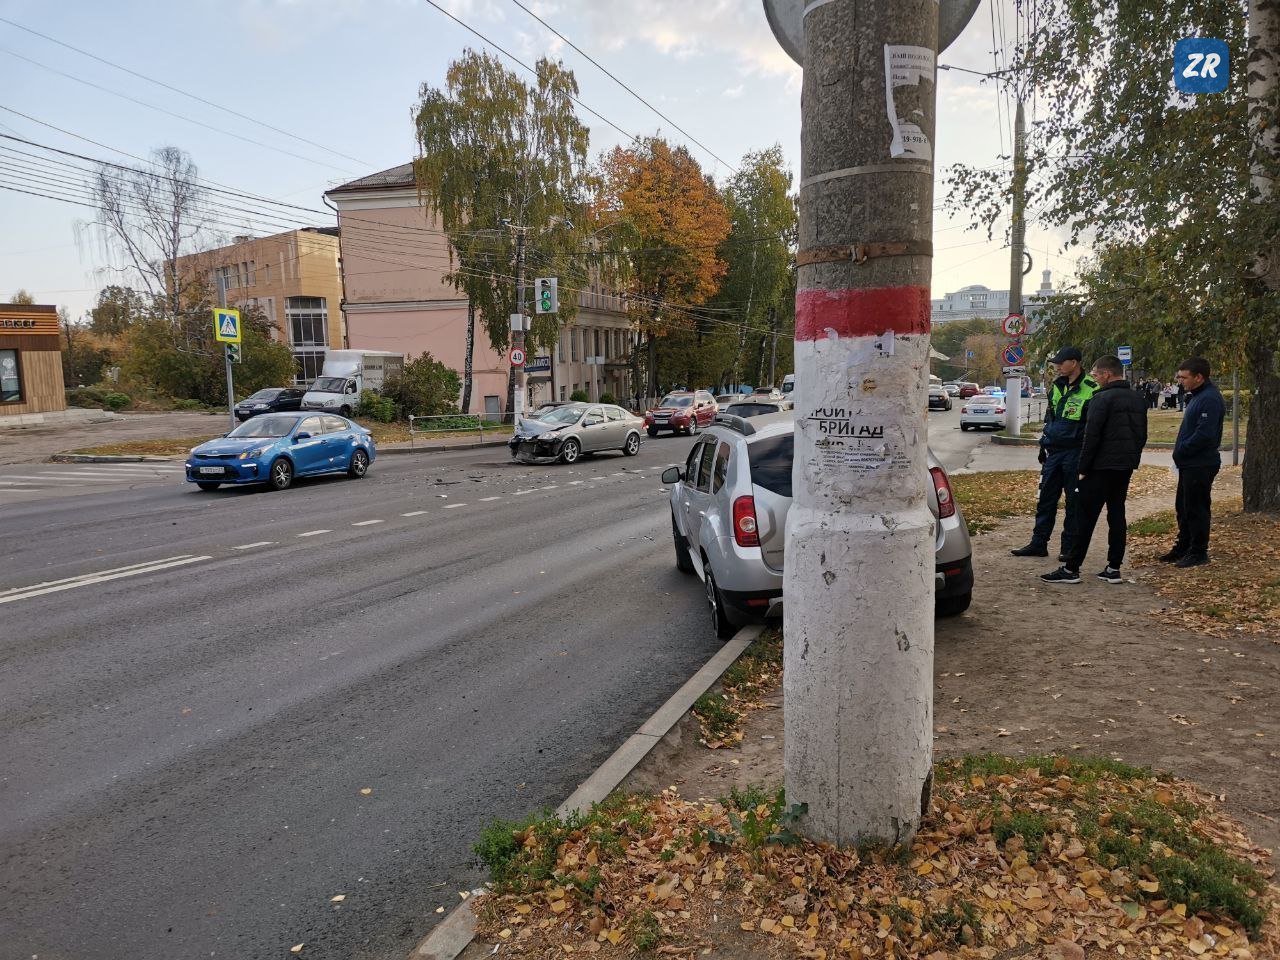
345 374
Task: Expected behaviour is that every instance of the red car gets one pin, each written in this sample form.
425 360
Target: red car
685 412
968 390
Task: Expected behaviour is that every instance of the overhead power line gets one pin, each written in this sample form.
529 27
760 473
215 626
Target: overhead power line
605 70
185 93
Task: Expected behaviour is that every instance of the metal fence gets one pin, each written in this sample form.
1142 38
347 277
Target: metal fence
473 428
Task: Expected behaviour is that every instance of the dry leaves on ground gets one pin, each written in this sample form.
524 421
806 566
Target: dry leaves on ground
743 688
986 498
1238 592
1015 855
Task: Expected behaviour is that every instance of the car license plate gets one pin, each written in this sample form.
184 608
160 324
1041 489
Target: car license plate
212 469
981 410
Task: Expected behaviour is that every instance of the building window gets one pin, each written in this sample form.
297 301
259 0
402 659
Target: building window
560 349
308 321
573 346
597 339
562 391
307 366
10 377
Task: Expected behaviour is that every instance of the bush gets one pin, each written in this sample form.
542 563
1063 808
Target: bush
117 401
608 398
188 403
377 407
426 388
580 396
86 397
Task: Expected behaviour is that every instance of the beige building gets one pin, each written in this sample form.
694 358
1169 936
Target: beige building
394 259
294 279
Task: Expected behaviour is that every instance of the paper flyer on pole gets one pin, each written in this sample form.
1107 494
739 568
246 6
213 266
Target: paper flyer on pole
908 82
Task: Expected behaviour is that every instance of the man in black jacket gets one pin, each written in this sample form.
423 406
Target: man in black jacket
1195 454
1114 436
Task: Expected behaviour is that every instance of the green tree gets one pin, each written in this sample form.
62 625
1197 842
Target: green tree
1172 190
117 308
497 156
427 388
757 252
949 339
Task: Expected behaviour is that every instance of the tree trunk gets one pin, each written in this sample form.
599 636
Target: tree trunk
652 386
1262 449
468 360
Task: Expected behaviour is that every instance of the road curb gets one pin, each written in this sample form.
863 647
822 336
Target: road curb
89 458
384 451
456 931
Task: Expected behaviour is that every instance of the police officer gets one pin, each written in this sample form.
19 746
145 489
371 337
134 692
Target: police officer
1060 444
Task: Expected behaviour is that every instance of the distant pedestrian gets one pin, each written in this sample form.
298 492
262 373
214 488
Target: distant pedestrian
1196 457
1114 436
1060 442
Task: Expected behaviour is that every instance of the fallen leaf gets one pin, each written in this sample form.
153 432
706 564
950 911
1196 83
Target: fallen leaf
297 948
366 790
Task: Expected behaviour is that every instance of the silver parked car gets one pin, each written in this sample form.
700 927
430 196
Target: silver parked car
983 410
729 506
566 432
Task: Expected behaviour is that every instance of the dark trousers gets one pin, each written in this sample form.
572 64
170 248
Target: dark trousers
1057 475
1101 488
1195 484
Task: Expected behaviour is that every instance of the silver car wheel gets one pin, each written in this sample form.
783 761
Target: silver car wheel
632 446
359 464
569 452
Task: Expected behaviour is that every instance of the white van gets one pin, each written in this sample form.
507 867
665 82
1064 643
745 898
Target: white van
345 374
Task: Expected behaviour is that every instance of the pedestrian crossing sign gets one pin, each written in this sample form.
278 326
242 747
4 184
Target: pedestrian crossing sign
226 325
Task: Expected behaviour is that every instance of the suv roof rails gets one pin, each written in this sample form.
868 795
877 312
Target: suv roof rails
737 424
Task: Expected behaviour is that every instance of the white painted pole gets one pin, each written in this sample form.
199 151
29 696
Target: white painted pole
858 676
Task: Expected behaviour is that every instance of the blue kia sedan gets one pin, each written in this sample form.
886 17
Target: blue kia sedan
276 447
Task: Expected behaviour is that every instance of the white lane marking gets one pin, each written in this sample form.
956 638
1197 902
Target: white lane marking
366 523
521 493
621 474
453 506
554 486
314 533
260 543
25 486
40 589
574 483
47 478
115 472
99 475
413 513
489 499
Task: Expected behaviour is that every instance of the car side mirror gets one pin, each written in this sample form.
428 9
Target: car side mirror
301 436
672 475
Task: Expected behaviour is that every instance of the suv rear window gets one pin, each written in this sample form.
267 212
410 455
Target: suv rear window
771 463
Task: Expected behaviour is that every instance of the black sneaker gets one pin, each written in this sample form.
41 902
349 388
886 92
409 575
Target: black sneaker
1192 560
1030 550
1173 556
1111 575
1061 575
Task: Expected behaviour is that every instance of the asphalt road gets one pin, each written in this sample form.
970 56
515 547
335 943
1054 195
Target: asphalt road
184 750
196 690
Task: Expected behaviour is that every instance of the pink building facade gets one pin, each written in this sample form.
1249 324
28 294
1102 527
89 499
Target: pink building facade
393 261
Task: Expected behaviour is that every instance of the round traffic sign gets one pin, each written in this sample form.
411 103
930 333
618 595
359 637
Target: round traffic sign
786 17
517 357
1013 354
1015 325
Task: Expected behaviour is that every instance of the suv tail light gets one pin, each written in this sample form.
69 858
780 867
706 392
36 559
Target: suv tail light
942 487
745 531
999 409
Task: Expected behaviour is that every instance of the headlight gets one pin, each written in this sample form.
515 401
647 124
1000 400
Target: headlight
253 454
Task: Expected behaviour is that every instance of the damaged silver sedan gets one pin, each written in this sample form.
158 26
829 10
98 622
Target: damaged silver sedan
565 433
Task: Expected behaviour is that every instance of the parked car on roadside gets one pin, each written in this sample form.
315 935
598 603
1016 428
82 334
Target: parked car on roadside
939 399
269 400
681 412
566 432
729 506
278 447
983 410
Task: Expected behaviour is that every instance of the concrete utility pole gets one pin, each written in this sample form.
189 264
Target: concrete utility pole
517 328
858 679
1017 253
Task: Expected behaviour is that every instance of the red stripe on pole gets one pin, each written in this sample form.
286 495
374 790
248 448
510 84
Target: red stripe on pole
861 313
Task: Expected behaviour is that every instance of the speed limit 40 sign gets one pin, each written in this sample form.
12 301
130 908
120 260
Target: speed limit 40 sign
517 357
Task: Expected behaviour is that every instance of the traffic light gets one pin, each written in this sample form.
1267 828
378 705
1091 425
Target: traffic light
233 352
548 295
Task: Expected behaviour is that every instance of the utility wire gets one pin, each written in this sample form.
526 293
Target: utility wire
167 86
599 66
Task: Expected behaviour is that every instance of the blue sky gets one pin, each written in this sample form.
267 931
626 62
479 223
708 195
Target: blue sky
345 74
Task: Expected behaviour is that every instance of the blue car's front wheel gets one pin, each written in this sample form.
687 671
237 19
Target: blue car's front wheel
281 476
359 464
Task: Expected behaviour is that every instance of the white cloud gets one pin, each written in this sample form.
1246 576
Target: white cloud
733 93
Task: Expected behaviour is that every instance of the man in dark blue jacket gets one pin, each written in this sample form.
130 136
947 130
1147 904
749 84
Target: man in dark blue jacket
1195 454
1060 442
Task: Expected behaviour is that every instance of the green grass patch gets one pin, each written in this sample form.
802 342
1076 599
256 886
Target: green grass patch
1028 825
644 931
1082 769
718 718
1157 525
